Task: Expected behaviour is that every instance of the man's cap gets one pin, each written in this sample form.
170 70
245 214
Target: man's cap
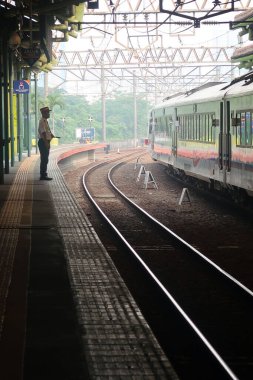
44 109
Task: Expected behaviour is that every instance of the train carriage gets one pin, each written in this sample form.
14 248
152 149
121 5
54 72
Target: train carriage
207 133
241 126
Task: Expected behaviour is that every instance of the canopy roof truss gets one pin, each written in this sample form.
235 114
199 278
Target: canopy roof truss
159 72
142 30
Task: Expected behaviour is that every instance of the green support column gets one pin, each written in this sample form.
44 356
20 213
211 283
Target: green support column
36 109
11 109
19 121
27 111
5 107
1 115
25 117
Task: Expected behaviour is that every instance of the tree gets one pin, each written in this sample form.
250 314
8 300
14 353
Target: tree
70 112
53 100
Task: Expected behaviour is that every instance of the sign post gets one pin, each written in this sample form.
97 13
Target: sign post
90 119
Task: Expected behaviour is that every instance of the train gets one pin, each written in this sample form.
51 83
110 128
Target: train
206 135
87 135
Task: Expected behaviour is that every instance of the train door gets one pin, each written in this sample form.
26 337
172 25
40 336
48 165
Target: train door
225 139
221 137
174 134
151 131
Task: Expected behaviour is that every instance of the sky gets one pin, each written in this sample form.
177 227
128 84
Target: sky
97 36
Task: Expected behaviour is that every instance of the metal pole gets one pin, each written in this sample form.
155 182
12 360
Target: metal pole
103 103
135 109
45 85
25 121
1 117
155 91
11 109
19 122
28 116
36 109
5 105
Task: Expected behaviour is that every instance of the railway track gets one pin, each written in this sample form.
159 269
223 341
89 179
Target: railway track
201 315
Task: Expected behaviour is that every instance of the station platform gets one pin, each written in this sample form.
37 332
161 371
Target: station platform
65 312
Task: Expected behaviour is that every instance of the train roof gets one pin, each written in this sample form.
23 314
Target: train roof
195 95
212 91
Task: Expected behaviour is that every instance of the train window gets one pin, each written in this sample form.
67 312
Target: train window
207 123
166 126
242 132
248 129
150 126
238 129
207 128
197 127
194 124
169 122
244 128
161 130
203 127
203 122
186 128
192 128
251 130
163 124
152 120
211 130
181 130
159 125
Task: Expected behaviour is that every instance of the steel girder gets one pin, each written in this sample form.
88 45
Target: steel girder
161 71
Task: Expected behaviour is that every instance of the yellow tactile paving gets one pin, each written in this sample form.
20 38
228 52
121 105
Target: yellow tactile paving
117 340
10 219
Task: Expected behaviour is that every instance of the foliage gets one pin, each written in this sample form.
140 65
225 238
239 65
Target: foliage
55 99
72 112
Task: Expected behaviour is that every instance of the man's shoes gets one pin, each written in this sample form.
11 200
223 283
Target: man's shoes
45 178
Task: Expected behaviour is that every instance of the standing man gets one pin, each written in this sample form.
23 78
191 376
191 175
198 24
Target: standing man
45 136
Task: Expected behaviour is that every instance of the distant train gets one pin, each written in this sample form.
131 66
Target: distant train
207 133
87 135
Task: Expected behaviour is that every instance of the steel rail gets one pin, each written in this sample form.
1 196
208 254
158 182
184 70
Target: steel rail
207 344
217 267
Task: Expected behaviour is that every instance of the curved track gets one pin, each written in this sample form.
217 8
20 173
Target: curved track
212 309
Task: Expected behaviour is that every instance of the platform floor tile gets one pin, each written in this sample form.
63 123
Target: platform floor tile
118 342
